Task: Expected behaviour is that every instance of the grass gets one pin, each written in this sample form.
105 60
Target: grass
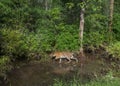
114 82
4 62
107 80
4 67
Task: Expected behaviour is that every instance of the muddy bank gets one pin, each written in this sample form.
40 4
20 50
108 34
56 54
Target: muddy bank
43 74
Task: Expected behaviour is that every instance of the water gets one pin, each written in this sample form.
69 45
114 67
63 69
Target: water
44 74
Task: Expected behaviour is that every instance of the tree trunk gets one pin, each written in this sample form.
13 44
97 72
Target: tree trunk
46 5
111 19
50 3
106 10
81 28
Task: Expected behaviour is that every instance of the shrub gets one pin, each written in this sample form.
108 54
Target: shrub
11 42
114 50
94 38
4 64
95 30
116 26
67 37
18 44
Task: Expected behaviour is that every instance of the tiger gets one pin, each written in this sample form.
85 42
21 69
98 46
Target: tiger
64 55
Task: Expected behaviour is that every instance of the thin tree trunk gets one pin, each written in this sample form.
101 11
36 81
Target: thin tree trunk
81 28
106 10
46 5
111 19
50 3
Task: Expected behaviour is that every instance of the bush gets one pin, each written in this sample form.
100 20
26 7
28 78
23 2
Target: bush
4 64
114 50
12 43
67 37
17 44
95 30
116 26
94 38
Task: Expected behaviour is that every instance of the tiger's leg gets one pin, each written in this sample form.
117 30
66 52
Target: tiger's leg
60 60
69 60
74 58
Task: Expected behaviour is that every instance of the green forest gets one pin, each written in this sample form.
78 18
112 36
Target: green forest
32 29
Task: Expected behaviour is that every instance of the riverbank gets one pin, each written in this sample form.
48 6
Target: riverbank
91 70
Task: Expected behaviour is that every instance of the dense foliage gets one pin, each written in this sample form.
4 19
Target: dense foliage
31 29
32 26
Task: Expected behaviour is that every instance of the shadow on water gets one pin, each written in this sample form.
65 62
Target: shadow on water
44 74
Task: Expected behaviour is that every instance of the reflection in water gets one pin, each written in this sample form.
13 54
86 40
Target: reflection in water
63 69
44 74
